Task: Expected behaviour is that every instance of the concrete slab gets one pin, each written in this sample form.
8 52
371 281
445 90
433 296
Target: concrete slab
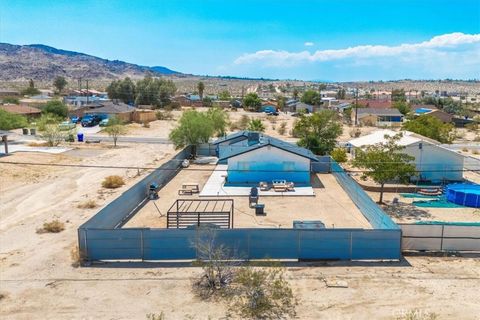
23 148
214 187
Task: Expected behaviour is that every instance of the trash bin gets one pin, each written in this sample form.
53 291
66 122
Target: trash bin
259 209
25 131
80 137
33 131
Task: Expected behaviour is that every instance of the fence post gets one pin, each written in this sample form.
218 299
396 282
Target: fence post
351 242
141 244
441 240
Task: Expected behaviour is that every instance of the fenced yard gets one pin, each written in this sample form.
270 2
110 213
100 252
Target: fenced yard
103 237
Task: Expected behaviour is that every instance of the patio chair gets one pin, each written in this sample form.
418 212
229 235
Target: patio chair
263 186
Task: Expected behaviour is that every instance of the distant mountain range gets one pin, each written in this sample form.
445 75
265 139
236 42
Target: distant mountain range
41 62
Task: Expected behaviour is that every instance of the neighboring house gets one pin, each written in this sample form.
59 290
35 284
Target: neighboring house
290 105
303 107
21 109
379 117
433 162
253 157
119 109
79 101
38 99
9 93
377 104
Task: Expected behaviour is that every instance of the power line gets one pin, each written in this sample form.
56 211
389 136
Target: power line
204 170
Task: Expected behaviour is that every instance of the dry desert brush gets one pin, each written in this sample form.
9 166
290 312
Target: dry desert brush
217 262
262 293
53 226
113 182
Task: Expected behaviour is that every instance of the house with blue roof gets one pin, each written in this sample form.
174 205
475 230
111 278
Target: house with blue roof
252 157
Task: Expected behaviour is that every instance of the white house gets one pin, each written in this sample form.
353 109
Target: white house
433 162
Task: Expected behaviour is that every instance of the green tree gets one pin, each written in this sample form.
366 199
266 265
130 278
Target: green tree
431 127
398 95
318 132
10 100
224 95
123 90
9 121
295 93
60 83
341 94
256 125
347 115
219 120
30 90
311 97
207 102
402 106
454 107
47 119
252 102
56 107
193 129
156 92
384 162
115 128
281 102
339 155
53 134
201 88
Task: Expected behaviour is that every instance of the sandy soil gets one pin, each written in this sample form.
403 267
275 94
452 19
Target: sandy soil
331 205
37 279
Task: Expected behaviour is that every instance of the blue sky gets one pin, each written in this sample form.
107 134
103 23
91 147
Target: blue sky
322 40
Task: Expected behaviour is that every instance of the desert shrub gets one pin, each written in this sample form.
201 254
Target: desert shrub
339 155
10 100
475 152
164 115
417 315
272 119
243 122
145 124
217 265
262 294
112 182
459 134
155 316
3 296
472 126
9 121
283 128
464 149
54 226
89 204
256 125
53 135
355 133
77 257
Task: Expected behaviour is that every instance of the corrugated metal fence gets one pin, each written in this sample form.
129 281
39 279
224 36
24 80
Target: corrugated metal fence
372 212
440 237
164 244
102 238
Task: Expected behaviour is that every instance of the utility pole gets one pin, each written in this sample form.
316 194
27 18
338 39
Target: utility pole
87 92
356 107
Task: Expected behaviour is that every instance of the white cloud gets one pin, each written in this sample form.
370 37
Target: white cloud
308 44
437 47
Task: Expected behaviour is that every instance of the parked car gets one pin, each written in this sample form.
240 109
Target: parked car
67 125
75 119
103 123
90 121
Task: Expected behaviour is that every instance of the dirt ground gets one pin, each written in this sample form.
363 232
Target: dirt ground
331 205
37 279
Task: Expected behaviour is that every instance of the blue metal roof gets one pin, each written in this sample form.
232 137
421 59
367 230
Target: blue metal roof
232 136
266 141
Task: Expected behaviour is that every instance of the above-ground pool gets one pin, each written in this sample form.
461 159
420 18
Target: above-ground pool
464 194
